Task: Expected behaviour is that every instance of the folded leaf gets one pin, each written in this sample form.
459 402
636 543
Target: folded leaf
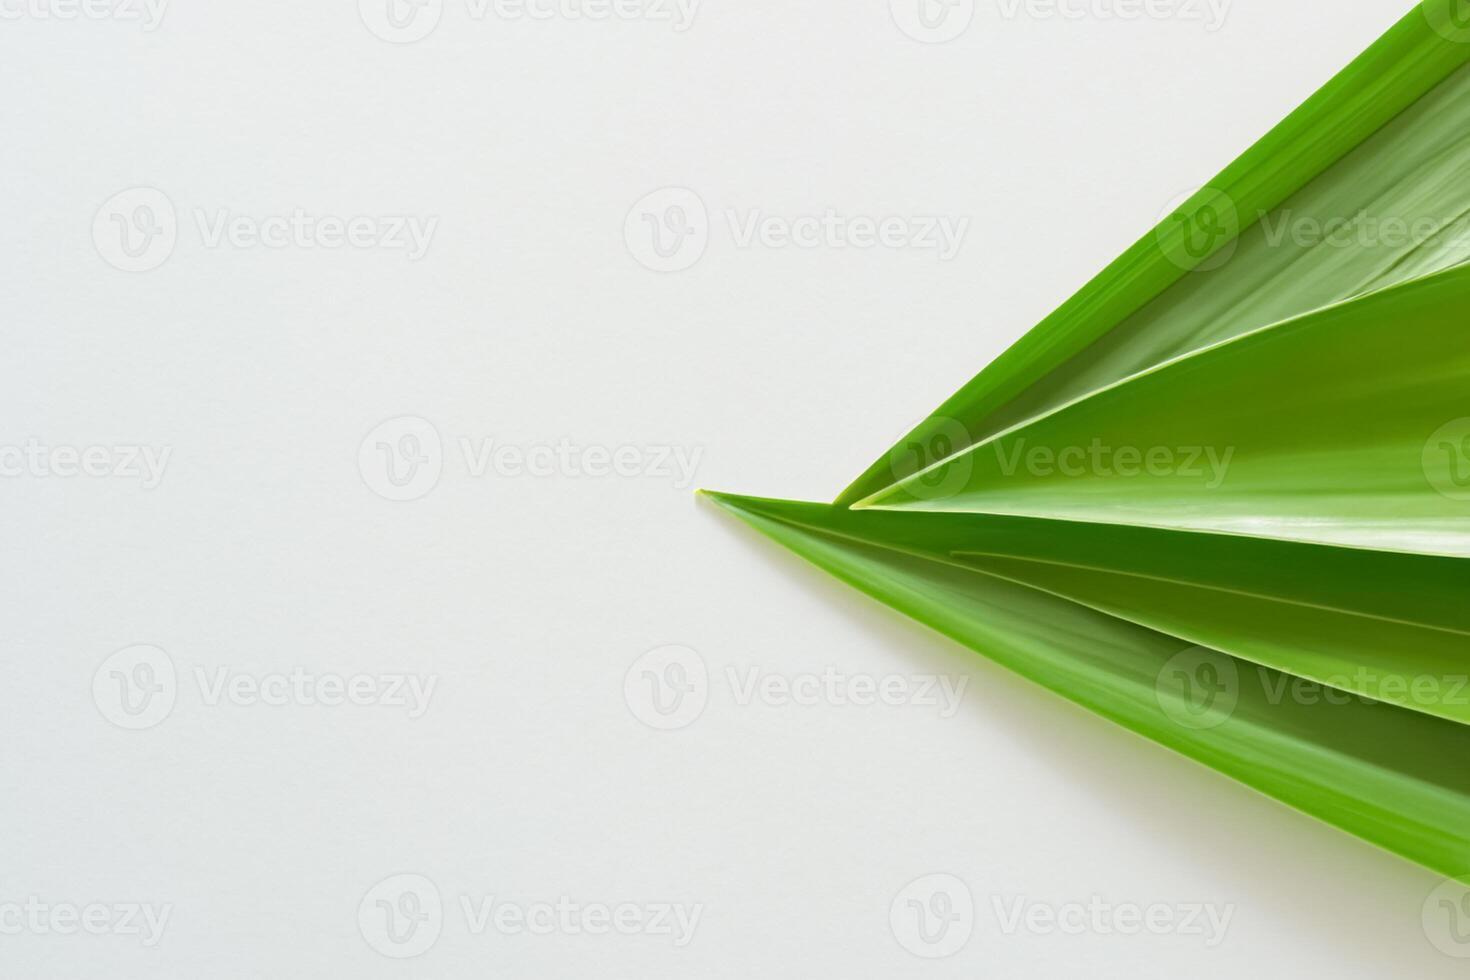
1339 427
1222 495
1383 773
1386 145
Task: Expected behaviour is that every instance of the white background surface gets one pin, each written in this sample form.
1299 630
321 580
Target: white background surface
529 321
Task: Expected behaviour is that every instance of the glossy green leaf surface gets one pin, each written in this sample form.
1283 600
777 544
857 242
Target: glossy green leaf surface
1381 772
1222 496
1339 427
1388 626
1388 139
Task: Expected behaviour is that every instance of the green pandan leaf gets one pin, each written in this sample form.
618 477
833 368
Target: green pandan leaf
1222 496
1386 143
1384 773
1392 627
1344 426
